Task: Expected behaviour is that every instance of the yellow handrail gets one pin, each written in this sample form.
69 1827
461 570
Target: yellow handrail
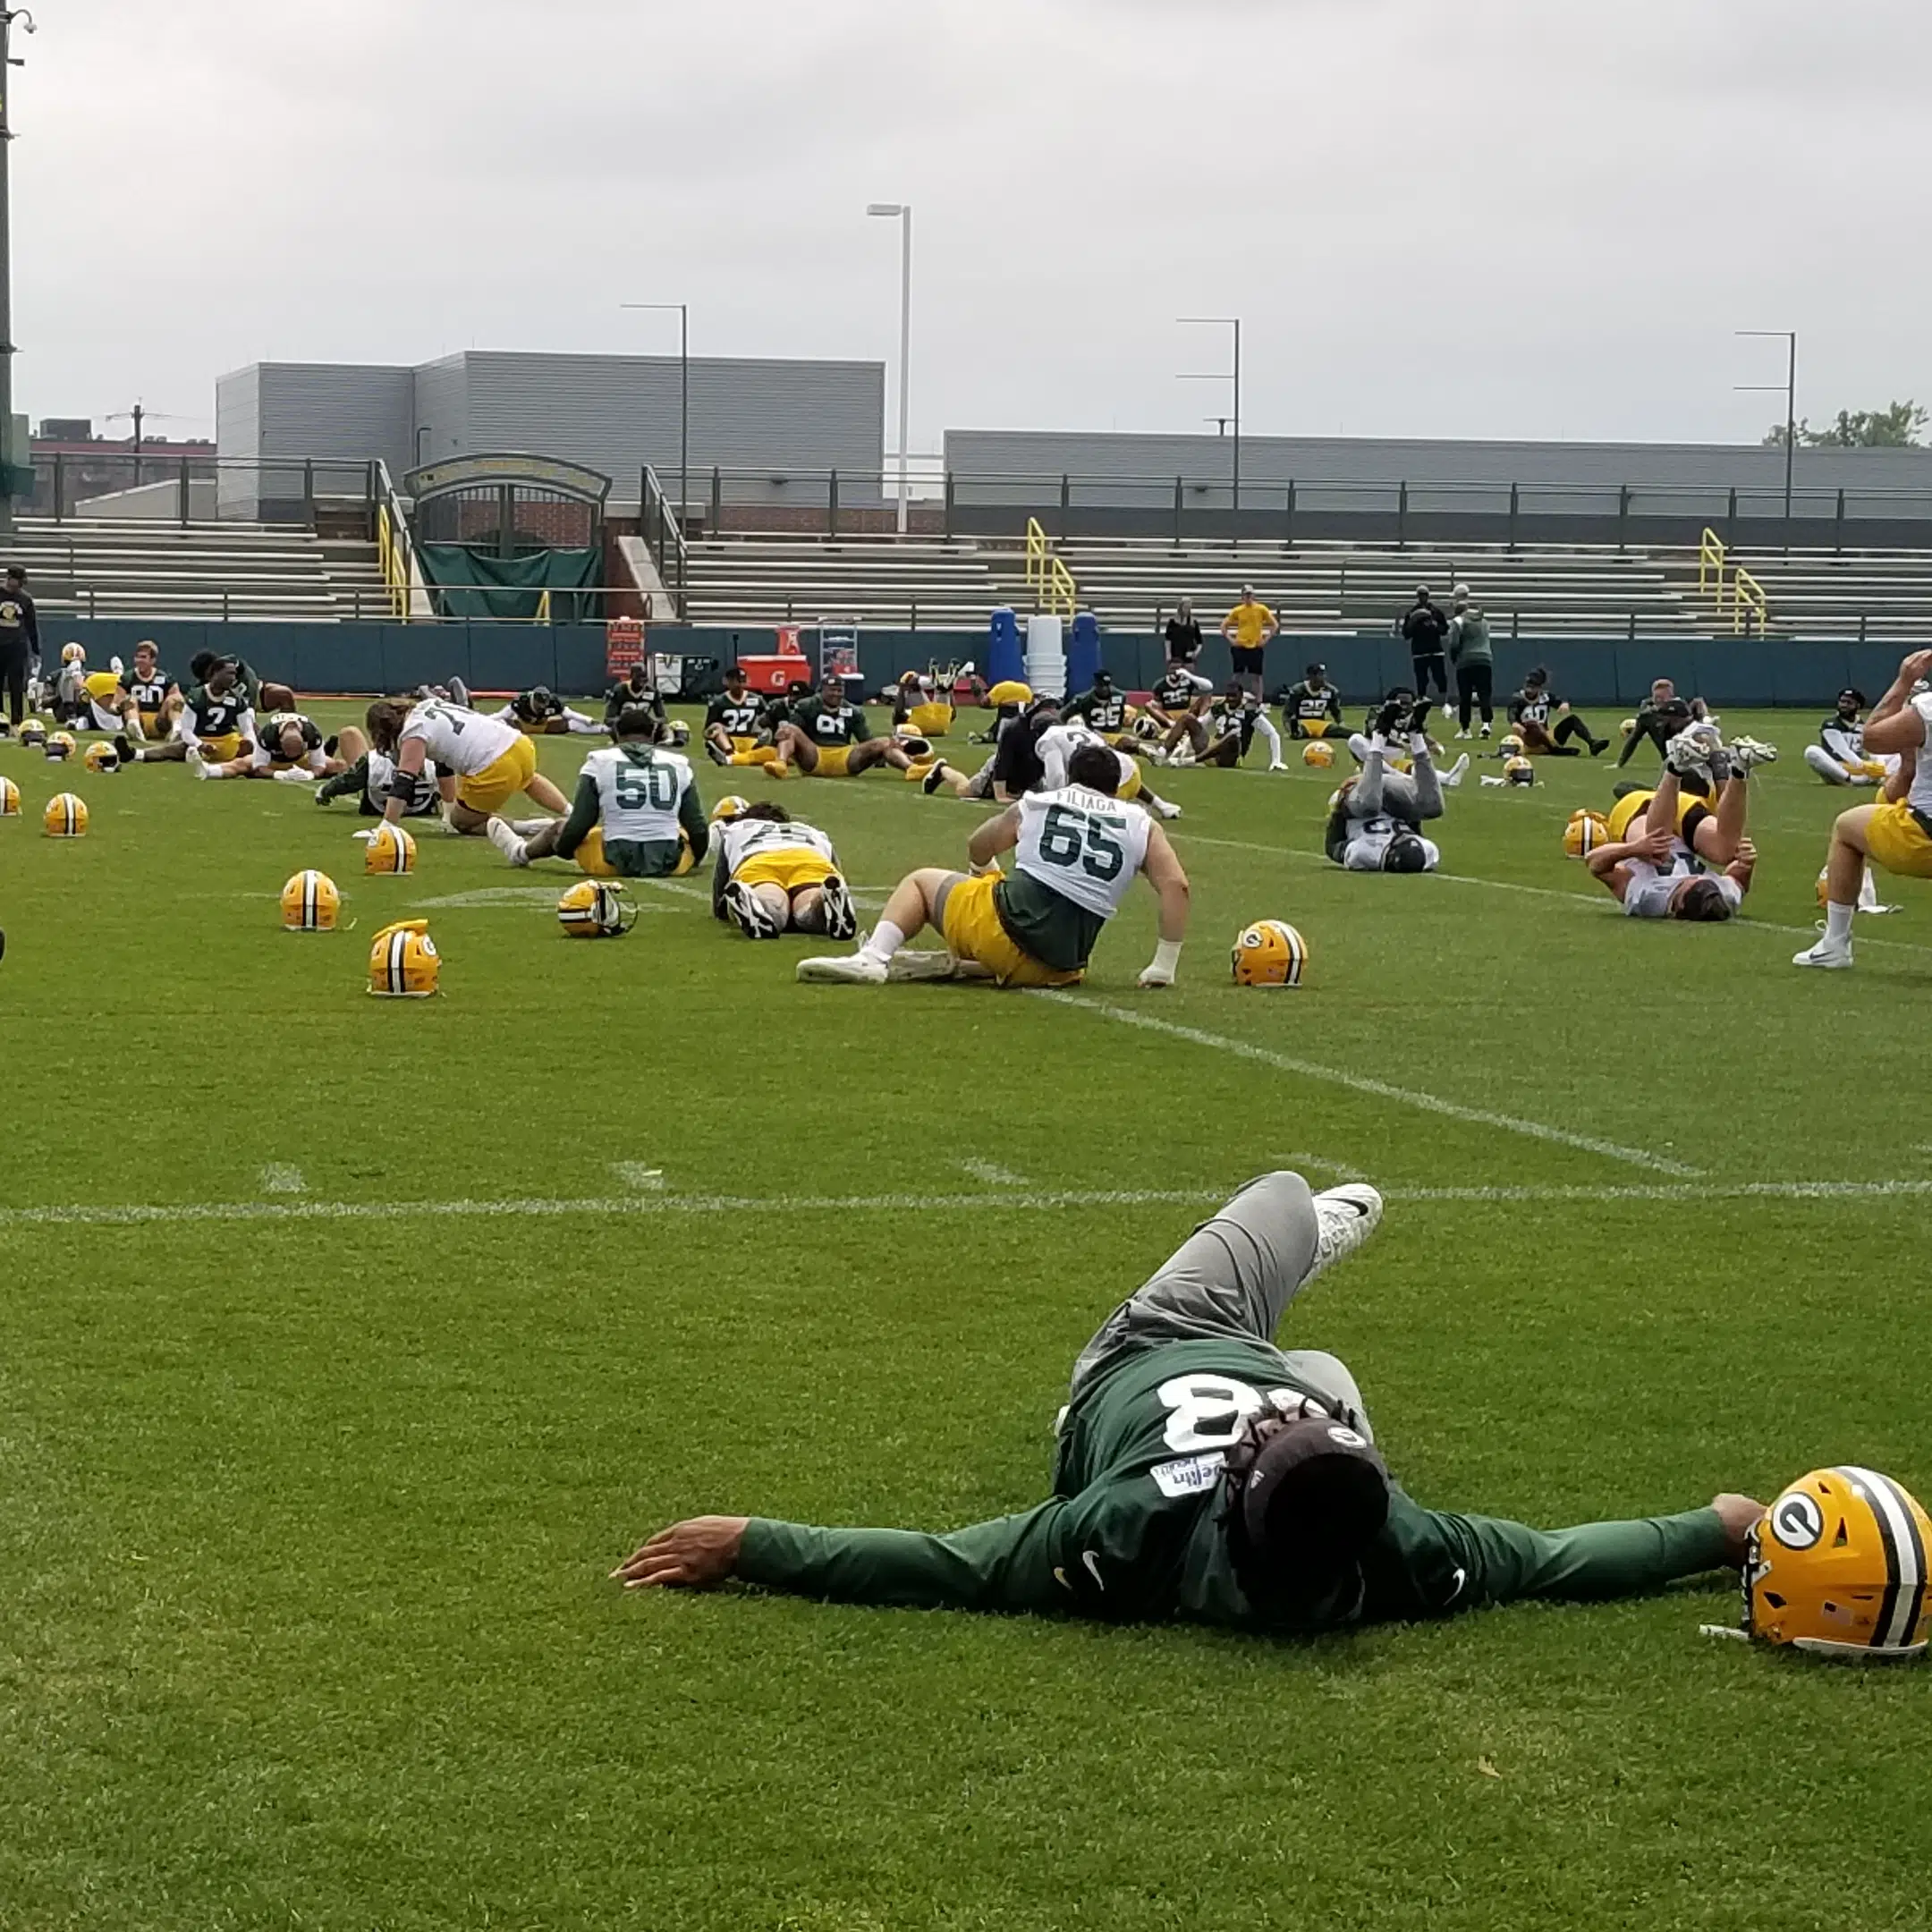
1710 562
1047 578
390 554
1747 594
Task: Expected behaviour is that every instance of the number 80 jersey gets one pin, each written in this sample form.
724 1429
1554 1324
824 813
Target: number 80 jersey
1083 845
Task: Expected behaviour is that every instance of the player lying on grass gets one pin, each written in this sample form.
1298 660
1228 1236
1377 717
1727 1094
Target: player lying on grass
1546 725
774 873
215 723
483 763
1897 832
287 747
1033 756
829 737
542 714
636 814
920 707
370 778
1686 858
1078 850
1204 1475
1376 823
1839 757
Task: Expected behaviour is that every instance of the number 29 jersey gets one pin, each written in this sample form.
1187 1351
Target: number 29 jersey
1083 845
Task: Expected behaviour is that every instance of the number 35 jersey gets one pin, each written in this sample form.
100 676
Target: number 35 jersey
1083 845
640 789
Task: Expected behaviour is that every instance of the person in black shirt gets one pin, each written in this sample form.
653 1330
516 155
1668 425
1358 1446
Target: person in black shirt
1659 719
633 689
1311 707
1546 724
1178 706
1183 634
20 642
1426 630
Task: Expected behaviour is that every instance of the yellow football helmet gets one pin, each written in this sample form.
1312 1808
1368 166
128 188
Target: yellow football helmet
1512 746
32 732
1270 953
403 961
1320 755
9 799
596 909
61 746
1627 728
73 653
390 849
103 759
311 902
1837 1567
65 816
1010 692
729 808
1518 771
1586 831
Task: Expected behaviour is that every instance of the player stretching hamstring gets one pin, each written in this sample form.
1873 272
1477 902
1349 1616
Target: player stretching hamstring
1662 872
1079 852
776 875
484 762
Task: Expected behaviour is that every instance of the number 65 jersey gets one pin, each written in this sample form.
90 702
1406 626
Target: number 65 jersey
1083 845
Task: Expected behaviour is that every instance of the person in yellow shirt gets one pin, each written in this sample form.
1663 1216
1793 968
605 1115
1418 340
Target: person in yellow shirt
1247 628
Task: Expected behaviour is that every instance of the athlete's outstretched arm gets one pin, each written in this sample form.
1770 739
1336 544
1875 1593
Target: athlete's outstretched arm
1164 872
996 836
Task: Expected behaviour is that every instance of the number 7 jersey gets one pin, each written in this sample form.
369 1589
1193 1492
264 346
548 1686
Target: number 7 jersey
1083 845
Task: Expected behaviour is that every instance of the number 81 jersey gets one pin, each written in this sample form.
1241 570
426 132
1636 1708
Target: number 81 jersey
1083 845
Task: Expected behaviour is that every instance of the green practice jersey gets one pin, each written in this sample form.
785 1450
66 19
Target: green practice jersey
216 717
1133 1531
846 725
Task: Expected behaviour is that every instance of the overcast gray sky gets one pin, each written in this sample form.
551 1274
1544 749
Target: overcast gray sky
1503 217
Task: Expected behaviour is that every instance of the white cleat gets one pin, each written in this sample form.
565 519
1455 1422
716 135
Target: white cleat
1456 773
1832 954
844 969
1345 1217
202 769
908 965
1167 808
1690 750
1278 766
502 836
834 896
1748 753
750 913
1448 710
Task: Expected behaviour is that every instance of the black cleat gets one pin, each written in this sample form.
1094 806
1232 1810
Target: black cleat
125 748
1598 746
750 913
1418 721
931 782
841 920
328 746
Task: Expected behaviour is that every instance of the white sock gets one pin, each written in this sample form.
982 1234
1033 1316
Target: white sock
886 940
1838 924
215 771
1264 730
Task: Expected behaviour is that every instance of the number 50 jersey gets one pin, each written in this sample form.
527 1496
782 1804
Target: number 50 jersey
1083 845
640 789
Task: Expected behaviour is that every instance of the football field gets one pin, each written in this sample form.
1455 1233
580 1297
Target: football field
346 1343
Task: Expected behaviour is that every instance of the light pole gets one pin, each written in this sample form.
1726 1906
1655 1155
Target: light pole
1789 386
8 15
682 312
903 211
1227 322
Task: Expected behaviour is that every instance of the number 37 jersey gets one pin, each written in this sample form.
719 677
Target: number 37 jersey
1083 845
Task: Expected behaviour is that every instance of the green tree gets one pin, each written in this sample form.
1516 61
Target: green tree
1896 427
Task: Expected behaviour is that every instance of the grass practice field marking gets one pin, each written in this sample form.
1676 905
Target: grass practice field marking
1038 1200
276 1179
992 1174
637 1176
1586 902
1362 1084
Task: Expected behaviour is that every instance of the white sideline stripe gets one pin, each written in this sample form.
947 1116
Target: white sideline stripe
96 1215
992 1174
276 1179
1589 901
636 1175
672 886
1361 1083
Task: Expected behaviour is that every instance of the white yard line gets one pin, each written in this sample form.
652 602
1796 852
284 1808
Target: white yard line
1600 902
674 886
992 1174
1362 1084
277 1179
1036 1200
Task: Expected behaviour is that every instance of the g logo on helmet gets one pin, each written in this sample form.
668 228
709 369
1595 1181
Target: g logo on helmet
1346 1438
595 909
1317 754
403 961
1796 1520
1269 954
390 849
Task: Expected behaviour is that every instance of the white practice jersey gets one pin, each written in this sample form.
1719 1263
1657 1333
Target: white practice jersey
462 742
1366 850
638 792
1083 845
1057 746
1919 798
382 771
745 838
1648 895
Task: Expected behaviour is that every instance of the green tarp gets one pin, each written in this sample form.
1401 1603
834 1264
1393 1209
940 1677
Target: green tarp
479 584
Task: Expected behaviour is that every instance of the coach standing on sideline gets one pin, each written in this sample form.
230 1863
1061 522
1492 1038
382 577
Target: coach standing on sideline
1183 635
1425 628
1247 628
1474 662
19 640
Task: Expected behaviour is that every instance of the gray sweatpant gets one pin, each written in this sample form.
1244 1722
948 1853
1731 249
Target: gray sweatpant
1233 1276
1380 790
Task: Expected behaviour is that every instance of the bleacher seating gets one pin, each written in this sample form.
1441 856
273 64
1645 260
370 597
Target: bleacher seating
885 581
1844 594
125 567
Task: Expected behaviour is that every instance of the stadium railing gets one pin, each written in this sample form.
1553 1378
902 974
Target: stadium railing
1047 578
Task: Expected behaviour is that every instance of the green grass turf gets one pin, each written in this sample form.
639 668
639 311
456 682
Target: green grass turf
306 1522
